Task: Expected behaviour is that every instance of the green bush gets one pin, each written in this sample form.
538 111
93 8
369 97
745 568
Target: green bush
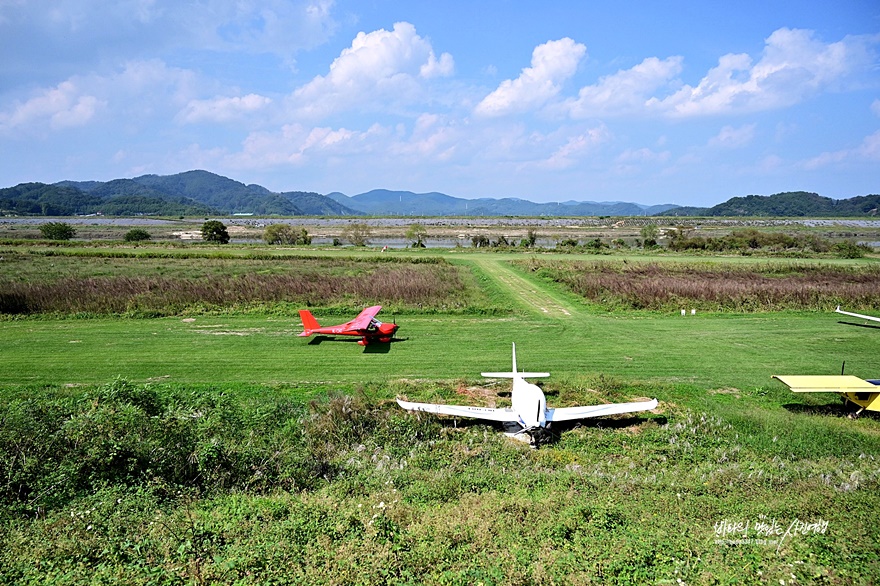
57 231
850 250
136 235
358 234
286 234
215 231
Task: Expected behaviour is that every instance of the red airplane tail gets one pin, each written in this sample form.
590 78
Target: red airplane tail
309 322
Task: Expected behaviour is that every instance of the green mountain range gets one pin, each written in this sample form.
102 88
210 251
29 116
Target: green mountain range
200 193
381 202
194 193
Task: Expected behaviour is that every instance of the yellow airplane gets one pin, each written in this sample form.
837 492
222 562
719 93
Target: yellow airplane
862 394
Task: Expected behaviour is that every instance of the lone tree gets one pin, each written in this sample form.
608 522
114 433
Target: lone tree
649 233
57 231
286 234
358 234
417 234
215 231
136 235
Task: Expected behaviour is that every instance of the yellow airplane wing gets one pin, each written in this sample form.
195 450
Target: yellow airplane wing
826 384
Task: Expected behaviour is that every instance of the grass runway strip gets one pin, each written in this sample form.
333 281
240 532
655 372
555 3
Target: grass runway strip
714 351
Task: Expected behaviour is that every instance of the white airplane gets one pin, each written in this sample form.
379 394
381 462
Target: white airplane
529 409
870 317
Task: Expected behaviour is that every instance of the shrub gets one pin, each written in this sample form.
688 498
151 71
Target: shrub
286 234
502 242
57 231
215 231
136 235
358 234
850 250
480 241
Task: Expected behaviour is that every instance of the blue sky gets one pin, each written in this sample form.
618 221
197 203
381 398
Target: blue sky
651 102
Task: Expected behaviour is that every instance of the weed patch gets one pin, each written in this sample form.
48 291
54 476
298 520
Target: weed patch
756 287
159 483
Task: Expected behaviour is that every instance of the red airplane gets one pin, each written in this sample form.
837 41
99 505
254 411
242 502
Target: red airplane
365 325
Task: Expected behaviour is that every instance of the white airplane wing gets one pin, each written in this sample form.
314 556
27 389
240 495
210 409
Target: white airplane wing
462 411
515 374
871 317
570 413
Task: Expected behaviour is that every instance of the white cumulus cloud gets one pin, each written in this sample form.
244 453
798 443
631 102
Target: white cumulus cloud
141 93
378 67
296 145
553 63
794 66
626 91
63 106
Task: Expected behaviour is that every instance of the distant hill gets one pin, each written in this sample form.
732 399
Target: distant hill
220 193
789 204
41 199
193 193
318 205
234 197
406 203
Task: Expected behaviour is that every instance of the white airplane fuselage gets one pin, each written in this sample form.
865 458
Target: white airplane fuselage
529 403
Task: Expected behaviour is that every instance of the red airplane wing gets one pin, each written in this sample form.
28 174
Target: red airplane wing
362 321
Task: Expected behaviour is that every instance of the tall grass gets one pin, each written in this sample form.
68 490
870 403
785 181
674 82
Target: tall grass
169 290
757 287
160 484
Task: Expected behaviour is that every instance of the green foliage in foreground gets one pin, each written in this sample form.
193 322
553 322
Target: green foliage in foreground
161 484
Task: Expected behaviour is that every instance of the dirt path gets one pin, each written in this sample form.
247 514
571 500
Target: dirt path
531 295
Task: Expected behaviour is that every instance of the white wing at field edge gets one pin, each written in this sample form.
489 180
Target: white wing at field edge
585 412
870 317
462 411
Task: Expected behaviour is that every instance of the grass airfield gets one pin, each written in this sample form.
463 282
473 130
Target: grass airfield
241 453
734 351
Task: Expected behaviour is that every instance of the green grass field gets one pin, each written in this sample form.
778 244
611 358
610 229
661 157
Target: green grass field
240 453
738 351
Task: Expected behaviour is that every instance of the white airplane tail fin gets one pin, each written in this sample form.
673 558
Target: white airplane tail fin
514 373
